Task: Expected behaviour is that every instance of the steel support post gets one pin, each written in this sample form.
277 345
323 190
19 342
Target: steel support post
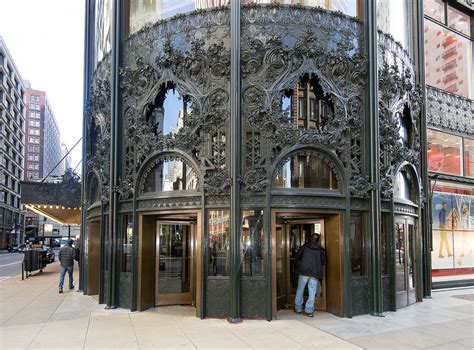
419 58
373 138
235 139
115 148
88 70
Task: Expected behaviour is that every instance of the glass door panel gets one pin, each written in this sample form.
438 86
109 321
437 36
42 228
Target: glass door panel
174 263
400 256
281 267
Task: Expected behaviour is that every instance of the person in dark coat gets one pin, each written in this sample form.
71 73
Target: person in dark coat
311 259
66 258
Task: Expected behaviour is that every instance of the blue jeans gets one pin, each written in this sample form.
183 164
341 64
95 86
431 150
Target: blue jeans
312 290
70 270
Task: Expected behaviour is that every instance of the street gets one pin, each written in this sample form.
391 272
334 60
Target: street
10 265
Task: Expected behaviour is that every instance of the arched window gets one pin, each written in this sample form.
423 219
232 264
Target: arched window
306 106
169 174
405 185
170 111
405 127
306 170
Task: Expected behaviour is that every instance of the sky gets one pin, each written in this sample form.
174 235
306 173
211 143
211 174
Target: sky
46 40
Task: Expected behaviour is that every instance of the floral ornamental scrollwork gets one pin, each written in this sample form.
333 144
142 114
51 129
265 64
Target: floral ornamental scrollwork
272 64
397 96
217 183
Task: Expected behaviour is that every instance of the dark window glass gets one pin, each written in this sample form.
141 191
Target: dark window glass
218 238
170 175
405 185
252 243
384 242
306 171
127 238
357 245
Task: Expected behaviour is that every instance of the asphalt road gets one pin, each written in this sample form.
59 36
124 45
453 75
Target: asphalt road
10 265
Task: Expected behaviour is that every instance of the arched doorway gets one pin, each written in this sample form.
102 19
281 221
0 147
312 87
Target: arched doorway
312 189
407 239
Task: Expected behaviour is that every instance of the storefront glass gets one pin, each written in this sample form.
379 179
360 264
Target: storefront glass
349 7
143 12
444 153
252 243
453 233
218 240
459 21
448 60
469 157
357 245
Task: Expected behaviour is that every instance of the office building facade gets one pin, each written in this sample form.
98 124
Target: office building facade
43 141
12 143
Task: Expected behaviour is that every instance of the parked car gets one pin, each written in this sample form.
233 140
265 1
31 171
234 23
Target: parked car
22 247
50 255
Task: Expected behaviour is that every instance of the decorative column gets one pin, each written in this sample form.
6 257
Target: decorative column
115 148
89 53
235 154
373 143
419 57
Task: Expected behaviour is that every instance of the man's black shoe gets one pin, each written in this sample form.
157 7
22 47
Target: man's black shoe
296 311
309 314
71 287
60 290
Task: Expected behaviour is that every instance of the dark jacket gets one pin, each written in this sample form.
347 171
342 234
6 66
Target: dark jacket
66 256
311 259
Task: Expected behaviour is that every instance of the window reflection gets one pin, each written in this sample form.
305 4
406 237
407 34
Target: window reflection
393 17
405 126
434 9
349 7
170 175
448 60
144 12
252 242
404 188
357 245
218 238
459 21
305 171
127 239
306 106
444 153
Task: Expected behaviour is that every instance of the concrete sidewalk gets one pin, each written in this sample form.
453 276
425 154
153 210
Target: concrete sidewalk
33 315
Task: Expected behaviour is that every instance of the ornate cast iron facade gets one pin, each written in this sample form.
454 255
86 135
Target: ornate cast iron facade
279 46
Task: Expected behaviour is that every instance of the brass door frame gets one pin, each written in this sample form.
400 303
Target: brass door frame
146 255
336 305
174 298
408 296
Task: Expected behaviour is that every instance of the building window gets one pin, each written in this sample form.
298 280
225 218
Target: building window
170 175
33 132
434 9
127 239
444 153
252 243
469 157
305 170
453 232
357 245
218 225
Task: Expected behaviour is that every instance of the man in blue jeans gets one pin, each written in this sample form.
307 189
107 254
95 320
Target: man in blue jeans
66 257
311 259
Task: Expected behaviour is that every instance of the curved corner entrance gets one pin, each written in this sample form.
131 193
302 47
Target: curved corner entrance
291 230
